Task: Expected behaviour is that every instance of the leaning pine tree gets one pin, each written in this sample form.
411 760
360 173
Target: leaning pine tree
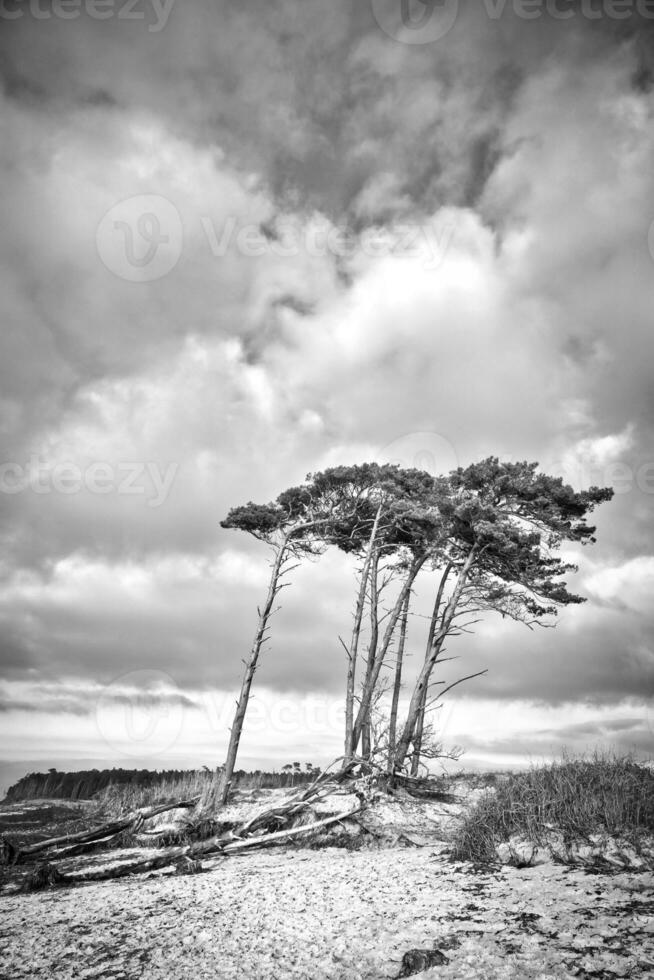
288 526
505 523
388 517
491 531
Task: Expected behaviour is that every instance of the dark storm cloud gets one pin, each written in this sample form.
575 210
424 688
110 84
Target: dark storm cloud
315 96
628 736
596 729
315 93
105 636
600 664
56 706
62 701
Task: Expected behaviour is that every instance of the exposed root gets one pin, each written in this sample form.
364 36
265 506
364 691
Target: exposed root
8 852
46 875
418 960
187 866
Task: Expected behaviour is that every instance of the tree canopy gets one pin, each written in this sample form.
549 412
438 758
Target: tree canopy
491 531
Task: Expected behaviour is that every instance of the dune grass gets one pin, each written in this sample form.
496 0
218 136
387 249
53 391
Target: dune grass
117 799
120 798
576 796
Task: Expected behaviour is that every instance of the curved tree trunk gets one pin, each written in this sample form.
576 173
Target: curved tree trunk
397 684
420 723
250 668
372 647
423 679
354 642
368 691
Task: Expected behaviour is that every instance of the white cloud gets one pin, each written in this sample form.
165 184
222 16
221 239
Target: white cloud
627 586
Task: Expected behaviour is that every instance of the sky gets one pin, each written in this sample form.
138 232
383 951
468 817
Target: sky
243 242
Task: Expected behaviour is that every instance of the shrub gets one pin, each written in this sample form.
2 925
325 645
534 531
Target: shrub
578 797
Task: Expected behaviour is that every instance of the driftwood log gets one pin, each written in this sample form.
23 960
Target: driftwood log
191 852
102 834
423 788
266 828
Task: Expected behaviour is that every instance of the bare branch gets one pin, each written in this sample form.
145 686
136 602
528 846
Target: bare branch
462 679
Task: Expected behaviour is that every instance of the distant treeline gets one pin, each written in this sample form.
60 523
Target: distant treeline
86 784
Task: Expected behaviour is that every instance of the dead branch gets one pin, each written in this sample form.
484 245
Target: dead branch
462 679
291 832
131 822
87 847
216 845
259 831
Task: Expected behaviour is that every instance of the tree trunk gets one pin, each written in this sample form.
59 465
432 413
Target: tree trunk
254 833
423 679
354 642
397 684
250 668
420 723
366 696
209 848
372 648
129 822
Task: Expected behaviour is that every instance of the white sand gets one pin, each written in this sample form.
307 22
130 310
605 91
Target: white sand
335 914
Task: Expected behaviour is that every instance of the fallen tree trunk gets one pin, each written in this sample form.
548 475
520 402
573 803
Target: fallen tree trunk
213 846
284 811
131 822
425 788
161 860
291 832
86 847
251 833
316 790
99 836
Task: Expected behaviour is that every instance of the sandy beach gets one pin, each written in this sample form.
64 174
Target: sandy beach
338 914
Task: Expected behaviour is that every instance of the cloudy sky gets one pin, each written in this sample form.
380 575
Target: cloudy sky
243 241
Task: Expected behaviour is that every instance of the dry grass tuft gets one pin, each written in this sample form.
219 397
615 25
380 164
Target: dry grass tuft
118 799
578 797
